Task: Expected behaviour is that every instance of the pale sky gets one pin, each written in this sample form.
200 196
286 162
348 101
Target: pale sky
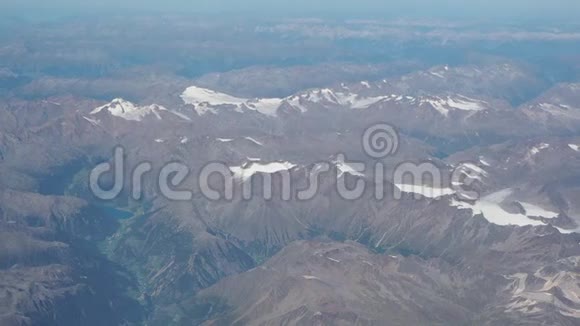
488 9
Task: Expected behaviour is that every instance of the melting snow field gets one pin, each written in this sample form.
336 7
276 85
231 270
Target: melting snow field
533 210
490 207
246 171
425 191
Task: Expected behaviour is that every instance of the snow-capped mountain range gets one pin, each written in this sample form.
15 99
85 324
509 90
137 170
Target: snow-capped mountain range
514 248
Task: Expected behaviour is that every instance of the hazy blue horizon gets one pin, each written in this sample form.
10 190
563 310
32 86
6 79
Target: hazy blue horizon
516 10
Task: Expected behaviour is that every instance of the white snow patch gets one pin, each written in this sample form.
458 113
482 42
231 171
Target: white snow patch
425 191
321 95
51 102
296 102
537 149
479 172
490 207
446 104
346 168
436 74
334 260
350 100
564 231
224 140
205 100
357 102
267 106
247 170
310 277
574 147
203 108
129 111
184 140
439 107
198 95
92 121
159 140
536 211
560 110
181 115
254 141
484 162
465 104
